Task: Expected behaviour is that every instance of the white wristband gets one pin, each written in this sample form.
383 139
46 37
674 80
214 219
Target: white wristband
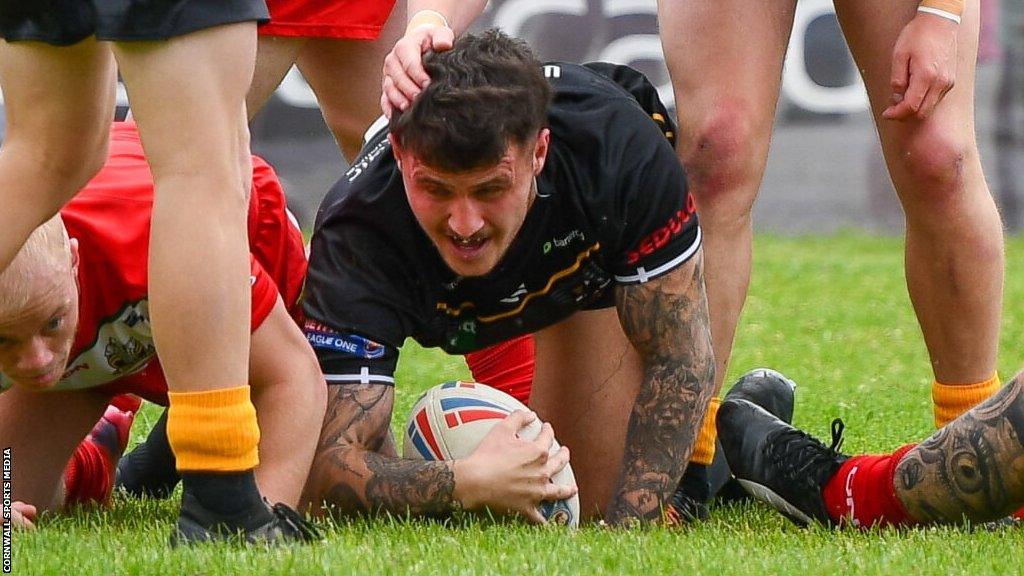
429 12
934 12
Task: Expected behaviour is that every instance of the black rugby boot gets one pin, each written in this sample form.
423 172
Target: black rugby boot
768 389
778 463
263 524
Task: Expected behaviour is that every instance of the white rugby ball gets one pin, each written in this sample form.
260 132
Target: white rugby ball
450 420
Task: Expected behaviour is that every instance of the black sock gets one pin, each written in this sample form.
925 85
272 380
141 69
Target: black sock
149 470
695 483
221 493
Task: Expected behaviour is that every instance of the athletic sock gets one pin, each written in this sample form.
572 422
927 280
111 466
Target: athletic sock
952 400
704 447
149 470
225 494
88 478
214 436
89 475
862 492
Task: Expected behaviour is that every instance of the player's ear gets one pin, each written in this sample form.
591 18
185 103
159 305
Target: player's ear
540 150
396 148
73 245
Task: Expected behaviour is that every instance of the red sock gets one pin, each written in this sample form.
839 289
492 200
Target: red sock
1019 514
507 366
862 493
89 477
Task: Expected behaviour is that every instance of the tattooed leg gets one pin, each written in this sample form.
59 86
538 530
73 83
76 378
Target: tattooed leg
973 468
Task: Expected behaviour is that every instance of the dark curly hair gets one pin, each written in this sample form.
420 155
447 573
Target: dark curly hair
486 93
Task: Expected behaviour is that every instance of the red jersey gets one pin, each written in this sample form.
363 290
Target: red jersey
110 217
343 19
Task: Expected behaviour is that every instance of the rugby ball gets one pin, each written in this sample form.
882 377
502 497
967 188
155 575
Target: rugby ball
450 420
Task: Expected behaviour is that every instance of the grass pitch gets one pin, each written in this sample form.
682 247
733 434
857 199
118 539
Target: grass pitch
831 312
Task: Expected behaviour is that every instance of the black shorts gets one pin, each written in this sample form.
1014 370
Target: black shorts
67 22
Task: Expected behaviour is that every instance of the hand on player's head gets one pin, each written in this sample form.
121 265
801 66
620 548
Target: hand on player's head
404 74
509 474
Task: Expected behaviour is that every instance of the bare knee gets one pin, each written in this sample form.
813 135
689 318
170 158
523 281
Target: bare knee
57 170
930 170
725 158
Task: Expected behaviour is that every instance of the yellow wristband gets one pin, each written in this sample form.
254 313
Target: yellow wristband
426 17
948 9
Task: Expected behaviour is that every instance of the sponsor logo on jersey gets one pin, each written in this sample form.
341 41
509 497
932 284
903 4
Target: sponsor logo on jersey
661 236
324 338
564 241
364 161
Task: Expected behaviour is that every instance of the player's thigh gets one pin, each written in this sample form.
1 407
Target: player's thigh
586 379
274 58
350 106
58 100
725 60
187 93
871 28
42 430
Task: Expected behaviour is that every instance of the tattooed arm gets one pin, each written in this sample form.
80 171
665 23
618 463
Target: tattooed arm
972 468
666 320
356 468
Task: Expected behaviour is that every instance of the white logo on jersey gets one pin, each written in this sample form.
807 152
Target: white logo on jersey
552 71
515 296
365 160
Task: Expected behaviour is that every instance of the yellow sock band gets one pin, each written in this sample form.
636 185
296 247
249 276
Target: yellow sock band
704 448
952 400
948 9
213 431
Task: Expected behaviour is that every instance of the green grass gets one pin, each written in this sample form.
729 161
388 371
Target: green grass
832 312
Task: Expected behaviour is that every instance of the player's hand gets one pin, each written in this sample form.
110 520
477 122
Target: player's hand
404 75
23 515
508 474
923 67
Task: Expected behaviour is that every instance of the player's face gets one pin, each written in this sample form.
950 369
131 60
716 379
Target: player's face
473 216
35 340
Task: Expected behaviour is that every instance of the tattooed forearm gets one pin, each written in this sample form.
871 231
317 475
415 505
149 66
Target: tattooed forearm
356 470
419 488
667 321
971 469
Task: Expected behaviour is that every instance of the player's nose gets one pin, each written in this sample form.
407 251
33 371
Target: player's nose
465 218
35 356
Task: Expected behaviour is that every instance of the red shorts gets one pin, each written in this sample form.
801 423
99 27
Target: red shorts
507 366
350 19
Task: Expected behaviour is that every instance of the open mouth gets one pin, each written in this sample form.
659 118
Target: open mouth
467 247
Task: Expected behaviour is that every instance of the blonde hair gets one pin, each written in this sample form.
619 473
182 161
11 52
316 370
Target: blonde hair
46 252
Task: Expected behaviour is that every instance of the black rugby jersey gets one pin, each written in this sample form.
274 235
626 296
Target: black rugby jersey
611 208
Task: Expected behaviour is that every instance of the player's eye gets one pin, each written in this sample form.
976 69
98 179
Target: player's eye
490 192
54 323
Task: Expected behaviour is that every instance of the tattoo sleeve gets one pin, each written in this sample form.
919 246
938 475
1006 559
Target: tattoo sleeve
971 469
356 470
666 320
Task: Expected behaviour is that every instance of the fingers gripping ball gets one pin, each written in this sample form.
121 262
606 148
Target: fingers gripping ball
450 420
